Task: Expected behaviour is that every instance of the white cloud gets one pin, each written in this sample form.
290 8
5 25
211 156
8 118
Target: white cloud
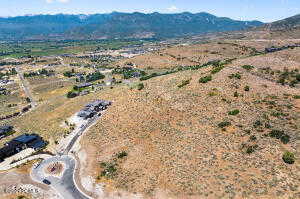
60 1
63 1
172 8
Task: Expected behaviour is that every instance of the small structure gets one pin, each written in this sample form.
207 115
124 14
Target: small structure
82 93
136 74
84 85
6 82
275 49
271 50
86 114
4 91
110 82
79 77
5 130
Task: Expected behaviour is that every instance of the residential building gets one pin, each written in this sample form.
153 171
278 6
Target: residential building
20 143
5 130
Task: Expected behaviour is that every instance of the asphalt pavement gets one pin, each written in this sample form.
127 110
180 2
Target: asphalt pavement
64 185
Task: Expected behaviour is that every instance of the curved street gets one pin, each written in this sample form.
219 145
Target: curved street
65 184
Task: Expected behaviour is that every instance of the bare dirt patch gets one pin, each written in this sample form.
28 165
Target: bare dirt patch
55 169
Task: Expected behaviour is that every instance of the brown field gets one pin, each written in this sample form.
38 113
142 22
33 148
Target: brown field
15 97
48 117
267 34
261 44
49 88
188 55
174 144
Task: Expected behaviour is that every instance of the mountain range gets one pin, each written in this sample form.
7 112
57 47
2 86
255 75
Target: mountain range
116 25
285 24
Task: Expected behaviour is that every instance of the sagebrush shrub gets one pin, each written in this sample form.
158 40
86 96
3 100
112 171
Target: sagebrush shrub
289 157
205 79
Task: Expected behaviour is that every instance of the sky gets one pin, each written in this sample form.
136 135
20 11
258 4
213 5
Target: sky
262 10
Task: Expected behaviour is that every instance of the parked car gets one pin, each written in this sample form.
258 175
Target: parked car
47 182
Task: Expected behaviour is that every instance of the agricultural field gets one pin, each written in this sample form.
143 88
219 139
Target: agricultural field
35 49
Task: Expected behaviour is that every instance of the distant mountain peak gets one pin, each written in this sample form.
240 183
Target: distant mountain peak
116 25
289 22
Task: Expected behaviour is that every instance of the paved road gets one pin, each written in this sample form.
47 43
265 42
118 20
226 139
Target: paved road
25 86
64 185
79 133
6 165
62 61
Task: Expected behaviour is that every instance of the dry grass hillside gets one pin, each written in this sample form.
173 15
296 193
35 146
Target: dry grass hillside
203 53
187 139
267 34
13 102
188 55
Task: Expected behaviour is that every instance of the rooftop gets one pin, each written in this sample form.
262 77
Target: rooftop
5 128
84 85
25 138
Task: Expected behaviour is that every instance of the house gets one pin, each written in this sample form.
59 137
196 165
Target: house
84 85
110 82
271 50
86 114
5 130
5 82
105 103
95 103
79 77
98 105
136 74
93 108
4 91
82 93
274 49
20 143
28 141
